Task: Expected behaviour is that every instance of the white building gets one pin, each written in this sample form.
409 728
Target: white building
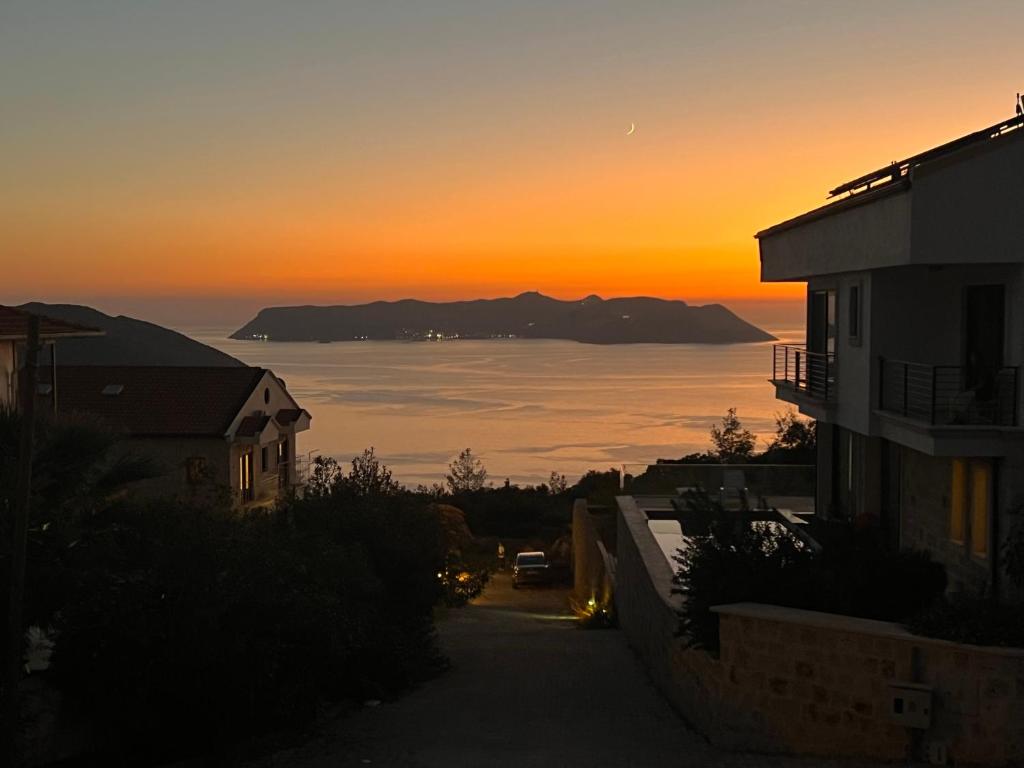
915 338
202 427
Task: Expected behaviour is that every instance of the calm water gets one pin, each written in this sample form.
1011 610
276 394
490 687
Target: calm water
525 407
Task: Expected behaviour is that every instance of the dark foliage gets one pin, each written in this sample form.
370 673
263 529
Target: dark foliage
182 627
740 561
795 442
1013 550
978 621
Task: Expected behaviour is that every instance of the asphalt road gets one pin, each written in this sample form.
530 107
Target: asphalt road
527 689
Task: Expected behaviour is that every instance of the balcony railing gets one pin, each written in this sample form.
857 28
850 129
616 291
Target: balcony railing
949 394
812 373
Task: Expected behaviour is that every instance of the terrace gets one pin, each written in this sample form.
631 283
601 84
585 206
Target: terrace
949 395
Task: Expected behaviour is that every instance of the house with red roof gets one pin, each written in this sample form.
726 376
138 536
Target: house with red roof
202 426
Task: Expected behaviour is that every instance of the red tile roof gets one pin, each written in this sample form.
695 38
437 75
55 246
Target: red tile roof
14 326
157 400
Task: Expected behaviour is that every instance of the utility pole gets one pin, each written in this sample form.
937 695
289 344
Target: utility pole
12 666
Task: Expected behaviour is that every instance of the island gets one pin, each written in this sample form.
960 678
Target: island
531 315
127 341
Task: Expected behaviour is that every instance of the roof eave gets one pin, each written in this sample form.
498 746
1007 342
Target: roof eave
854 201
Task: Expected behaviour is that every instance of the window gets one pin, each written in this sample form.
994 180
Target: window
195 469
971 504
264 459
853 314
245 476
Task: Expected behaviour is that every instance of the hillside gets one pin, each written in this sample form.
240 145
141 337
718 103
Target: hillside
592 320
127 341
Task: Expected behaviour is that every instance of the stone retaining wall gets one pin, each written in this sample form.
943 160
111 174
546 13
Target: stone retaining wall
804 682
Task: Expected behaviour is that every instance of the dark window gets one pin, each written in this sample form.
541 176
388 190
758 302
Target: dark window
264 459
195 469
853 311
266 395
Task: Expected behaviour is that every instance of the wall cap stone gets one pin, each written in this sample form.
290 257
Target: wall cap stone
839 623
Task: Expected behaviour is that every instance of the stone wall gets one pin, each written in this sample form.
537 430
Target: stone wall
926 506
820 684
802 682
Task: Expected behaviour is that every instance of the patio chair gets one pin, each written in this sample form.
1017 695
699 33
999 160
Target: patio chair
734 486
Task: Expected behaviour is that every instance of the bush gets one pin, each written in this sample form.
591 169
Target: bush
739 561
977 621
190 628
182 627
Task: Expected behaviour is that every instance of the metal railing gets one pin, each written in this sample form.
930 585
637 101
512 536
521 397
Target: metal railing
812 373
949 394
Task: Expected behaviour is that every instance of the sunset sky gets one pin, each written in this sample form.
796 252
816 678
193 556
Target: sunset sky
247 153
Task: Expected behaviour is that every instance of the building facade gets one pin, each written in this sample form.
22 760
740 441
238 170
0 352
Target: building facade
208 428
14 332
914 346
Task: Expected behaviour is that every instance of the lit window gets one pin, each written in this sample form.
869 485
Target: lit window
970 504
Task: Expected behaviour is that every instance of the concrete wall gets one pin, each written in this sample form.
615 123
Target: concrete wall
647 610
963 209
876 234
802 682
968 207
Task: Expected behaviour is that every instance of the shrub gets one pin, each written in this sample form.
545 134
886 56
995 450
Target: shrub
740 561
191 627
977 621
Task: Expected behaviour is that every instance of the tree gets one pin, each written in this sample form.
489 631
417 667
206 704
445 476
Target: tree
793 433
370 477
733 444
323 477
466 473
557 483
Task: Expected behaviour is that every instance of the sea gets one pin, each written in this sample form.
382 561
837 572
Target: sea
526 408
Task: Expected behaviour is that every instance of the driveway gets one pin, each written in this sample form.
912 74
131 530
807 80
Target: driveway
527 689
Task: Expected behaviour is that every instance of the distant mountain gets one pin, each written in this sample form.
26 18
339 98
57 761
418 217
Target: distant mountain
127 341
592 320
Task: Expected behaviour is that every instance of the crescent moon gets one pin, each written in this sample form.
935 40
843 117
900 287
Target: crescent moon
632 129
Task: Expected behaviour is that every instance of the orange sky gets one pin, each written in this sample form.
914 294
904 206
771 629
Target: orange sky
455 150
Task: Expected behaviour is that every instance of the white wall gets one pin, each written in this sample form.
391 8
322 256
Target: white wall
966 208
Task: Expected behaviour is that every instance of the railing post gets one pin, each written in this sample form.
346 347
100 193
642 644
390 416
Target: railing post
906 367
796 361
881 383
827 371
786 363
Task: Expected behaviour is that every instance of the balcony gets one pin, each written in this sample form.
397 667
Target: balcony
949 395
805 373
